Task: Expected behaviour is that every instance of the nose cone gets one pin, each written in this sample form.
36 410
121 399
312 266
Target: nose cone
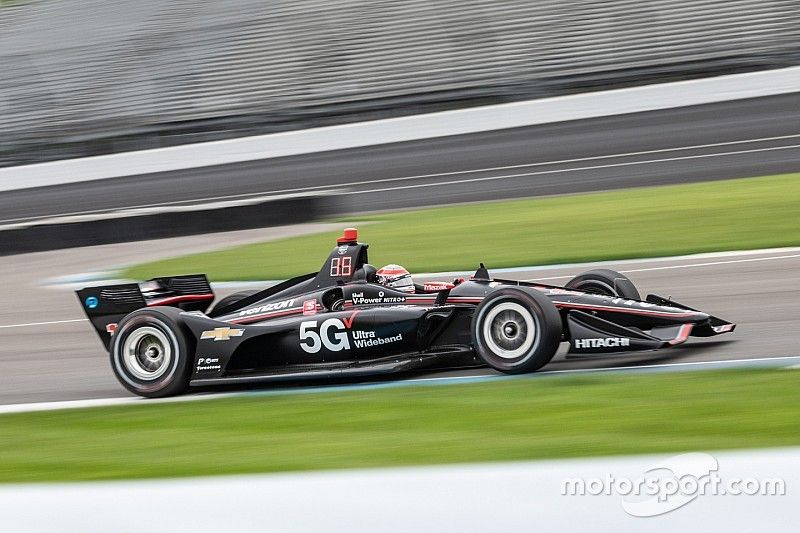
615 306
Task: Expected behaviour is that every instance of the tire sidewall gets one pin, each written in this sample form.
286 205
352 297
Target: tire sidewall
175 378
611 283
231 299
543 347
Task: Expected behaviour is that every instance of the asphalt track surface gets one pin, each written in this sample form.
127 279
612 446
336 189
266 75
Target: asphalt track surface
709 142
48 352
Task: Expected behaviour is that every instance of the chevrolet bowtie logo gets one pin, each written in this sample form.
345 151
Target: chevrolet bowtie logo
222 334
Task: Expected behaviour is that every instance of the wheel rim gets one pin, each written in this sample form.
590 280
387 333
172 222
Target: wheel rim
596 287
147 353
509 330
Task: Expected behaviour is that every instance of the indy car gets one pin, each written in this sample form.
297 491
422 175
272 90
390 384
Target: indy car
163 336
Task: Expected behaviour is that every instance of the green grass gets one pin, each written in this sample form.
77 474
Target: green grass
646 222
547 417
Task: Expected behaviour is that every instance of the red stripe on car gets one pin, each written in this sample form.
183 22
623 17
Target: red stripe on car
274 314
181 298
624 310
683 334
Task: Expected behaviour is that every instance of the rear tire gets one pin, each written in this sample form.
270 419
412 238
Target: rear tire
516 331
606 282
231 299
151 354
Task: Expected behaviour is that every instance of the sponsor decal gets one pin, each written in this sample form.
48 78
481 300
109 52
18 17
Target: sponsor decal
309 307
623 301
359 299
92 302
111 328
221 334
342 249
331 334
432 286
607 342
208 363
555 292
367 339
336 335
267 308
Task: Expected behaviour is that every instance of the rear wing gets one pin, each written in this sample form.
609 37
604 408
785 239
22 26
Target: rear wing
106 305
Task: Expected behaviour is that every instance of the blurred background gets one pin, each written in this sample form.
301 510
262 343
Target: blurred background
90 77
144 138
126 122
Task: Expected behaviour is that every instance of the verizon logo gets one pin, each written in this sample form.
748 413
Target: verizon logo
608 342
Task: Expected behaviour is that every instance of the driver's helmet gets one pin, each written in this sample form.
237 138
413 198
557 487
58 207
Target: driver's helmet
396 277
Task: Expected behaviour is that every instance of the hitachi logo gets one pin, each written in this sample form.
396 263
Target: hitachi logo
608 342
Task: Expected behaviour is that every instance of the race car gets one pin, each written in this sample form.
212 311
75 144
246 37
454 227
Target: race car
343 321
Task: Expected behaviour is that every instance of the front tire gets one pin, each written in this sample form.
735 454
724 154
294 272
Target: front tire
516 331
150 353
606 282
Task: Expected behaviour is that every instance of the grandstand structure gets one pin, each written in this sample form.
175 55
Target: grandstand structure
85 77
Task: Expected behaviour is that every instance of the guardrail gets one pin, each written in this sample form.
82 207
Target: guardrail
164 221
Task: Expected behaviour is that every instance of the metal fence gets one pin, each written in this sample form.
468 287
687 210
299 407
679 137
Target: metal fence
79 77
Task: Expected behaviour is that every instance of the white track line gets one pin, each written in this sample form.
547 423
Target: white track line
691 265
623 368
584 159
458 173
750 260
574 169
44 323
108 402
674 365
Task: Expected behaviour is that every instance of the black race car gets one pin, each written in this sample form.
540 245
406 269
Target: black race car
341 322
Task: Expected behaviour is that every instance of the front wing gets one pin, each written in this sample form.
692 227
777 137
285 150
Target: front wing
591 334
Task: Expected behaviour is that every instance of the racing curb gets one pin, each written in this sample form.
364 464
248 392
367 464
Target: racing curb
164 221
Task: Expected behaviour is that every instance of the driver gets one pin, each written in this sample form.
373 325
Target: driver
396 277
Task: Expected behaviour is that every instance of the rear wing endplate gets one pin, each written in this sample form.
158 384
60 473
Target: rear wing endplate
106 305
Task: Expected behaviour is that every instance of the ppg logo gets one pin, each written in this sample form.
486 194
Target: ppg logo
92 302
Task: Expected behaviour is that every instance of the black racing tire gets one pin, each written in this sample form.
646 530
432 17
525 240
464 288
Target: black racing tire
232 299
606 282
151 353
516 331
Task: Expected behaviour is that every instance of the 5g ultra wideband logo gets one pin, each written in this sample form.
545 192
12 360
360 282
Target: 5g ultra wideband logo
331 333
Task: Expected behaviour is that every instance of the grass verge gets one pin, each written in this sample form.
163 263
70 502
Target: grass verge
546 417
646 222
